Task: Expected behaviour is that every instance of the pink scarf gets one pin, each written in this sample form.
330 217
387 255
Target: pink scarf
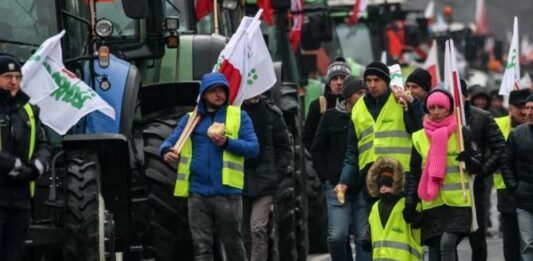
435 169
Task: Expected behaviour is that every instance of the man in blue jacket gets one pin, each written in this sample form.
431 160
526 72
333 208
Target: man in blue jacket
210 169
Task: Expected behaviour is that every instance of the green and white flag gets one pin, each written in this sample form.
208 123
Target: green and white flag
62 97
396 79
511 77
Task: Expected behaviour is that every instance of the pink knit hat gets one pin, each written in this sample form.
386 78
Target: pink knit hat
438 98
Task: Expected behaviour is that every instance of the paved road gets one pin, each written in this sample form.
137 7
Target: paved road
494 243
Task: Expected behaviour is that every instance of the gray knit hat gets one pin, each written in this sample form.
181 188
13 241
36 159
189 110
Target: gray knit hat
338 67
351 85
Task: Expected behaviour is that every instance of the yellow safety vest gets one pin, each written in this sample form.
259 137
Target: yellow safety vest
385 137
33 133
232 165
450 193
397 241
505 127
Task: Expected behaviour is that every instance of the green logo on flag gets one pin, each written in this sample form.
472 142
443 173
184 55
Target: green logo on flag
68 93
512 62
252 76
395 76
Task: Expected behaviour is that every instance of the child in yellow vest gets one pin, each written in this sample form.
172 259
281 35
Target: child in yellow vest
392 238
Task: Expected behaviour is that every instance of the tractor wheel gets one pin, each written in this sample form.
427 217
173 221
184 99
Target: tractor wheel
167 237
318 221
88 235
283 229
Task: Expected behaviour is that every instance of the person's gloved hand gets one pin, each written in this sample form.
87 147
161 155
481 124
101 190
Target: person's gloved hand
23 171
409 213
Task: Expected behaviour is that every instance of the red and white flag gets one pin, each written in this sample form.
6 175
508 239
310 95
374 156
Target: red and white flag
482 18
268 11
511 77
359 9
452 79
432 65
246 62
297 22
203 8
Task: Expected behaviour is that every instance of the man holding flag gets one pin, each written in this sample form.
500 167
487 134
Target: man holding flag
24 157
211 168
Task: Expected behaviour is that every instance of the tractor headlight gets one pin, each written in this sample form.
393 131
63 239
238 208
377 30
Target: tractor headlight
172 23
103 28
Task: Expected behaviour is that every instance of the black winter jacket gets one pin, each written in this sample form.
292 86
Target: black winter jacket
15 136
517 170
329 145
263 174
486 134
313 118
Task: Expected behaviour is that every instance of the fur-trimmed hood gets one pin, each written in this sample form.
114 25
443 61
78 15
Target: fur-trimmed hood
376 169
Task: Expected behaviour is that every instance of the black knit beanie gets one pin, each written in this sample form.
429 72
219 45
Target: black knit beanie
518 96
529 98
351 85
378 69
421 78
8 63
337 67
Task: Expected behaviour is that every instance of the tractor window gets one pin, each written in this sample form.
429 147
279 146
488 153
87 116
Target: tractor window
25 24
355 42
182 13
77 31
123 26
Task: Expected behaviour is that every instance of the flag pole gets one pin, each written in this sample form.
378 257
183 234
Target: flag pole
461 146
194 119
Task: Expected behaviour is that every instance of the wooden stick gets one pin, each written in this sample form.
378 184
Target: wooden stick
189 127
462 166
215 17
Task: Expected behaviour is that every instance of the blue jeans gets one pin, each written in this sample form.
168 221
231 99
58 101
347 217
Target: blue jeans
525 227
340 217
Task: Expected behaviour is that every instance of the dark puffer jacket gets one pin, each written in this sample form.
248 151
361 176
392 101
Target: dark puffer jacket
15 129
314 116
263 174
486 134
517 170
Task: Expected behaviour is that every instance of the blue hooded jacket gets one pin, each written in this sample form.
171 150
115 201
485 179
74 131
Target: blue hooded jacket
206 164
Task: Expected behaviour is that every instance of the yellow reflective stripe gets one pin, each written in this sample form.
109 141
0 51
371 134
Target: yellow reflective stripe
453 169
398 245
365 147
393 150
33 131
233 166
184 160
452 186
182 176
366 132
391 134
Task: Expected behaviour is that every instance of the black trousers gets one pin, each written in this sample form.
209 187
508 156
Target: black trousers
14 226
478 239
511 236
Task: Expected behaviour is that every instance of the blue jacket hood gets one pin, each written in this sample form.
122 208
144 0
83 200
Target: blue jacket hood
209 80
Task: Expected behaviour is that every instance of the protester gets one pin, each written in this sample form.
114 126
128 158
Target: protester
517 172
496 104
212 162
487 135
506 204
337 71
435 178
418 83
329 146
263 174
25 155
479 98
379 127
392 238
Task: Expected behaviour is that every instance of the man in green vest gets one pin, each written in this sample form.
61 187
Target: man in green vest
506 204
211 169
380 127
24 158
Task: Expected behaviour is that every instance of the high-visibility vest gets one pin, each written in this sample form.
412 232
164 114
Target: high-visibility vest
33 133
385 137
451 193
232 165
397 240
504 123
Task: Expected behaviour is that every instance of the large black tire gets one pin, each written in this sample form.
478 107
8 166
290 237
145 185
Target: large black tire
167 237
283 228
84 211
318 220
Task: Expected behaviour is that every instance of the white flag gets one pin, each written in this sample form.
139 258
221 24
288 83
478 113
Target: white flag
430 10
62 97
246 62
396 79
511 77
34 71
383 58
447 68
432 65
